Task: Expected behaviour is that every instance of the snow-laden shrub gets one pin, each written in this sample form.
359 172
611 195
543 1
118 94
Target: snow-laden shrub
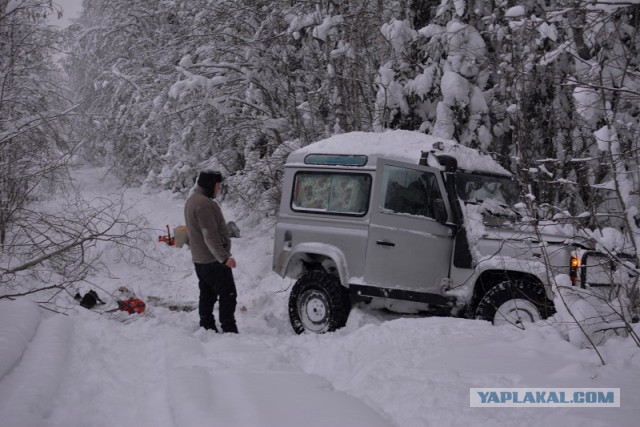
585 317
178 178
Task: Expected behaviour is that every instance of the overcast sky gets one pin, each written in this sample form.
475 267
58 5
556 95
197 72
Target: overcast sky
70 9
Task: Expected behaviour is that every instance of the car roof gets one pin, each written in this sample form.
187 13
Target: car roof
401 145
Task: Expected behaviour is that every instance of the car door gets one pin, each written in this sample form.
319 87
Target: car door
407 248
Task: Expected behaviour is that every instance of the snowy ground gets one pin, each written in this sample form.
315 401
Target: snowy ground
158 369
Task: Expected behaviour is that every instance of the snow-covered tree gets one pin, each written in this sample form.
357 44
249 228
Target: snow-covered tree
230 82
121 61
33 108
578 100
437 78
44 244
171 87
608 89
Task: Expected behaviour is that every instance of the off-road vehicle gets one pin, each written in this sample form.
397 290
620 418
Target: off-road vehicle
414 223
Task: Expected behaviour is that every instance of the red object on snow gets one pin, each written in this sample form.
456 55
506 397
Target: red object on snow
132 305
167 238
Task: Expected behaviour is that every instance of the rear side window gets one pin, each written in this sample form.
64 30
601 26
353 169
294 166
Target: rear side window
339 193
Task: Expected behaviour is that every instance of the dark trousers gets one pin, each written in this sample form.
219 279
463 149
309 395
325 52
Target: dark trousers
216 281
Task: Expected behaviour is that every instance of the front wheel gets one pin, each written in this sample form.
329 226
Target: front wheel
318 303
515 303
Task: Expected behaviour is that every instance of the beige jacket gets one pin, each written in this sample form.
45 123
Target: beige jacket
209 237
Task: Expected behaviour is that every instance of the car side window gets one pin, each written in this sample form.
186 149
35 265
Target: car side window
340 193
408 191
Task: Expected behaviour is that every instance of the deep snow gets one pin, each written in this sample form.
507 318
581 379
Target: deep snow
92 368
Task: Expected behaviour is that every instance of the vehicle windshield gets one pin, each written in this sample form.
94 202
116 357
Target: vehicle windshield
487 189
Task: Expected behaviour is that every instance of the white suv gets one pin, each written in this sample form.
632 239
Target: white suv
412 223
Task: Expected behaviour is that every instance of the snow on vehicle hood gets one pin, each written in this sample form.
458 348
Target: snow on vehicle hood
480 226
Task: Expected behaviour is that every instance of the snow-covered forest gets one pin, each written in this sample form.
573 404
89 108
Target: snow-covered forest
164 88
153 91
157 90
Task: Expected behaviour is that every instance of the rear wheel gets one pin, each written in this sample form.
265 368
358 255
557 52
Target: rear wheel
318 303
515 303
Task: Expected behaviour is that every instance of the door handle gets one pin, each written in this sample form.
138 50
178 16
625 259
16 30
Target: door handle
384 243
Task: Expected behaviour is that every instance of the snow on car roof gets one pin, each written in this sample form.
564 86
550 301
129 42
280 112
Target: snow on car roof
403 145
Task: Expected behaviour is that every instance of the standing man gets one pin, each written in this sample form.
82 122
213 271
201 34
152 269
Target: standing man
210 246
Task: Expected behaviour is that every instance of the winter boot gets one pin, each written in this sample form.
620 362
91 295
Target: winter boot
208 324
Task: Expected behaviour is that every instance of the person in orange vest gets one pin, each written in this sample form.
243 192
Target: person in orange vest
210 245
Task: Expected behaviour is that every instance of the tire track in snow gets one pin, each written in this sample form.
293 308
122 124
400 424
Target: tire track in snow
28 391
116 375
243 380
19 320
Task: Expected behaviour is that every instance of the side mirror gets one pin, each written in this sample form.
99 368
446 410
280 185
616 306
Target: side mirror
440 211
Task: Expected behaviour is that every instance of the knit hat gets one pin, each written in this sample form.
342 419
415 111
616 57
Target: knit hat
208 178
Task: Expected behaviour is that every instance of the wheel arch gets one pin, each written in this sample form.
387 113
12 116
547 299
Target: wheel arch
489 278
307 257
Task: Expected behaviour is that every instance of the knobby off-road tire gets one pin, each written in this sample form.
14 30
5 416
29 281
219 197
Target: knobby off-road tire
515 302
318 303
